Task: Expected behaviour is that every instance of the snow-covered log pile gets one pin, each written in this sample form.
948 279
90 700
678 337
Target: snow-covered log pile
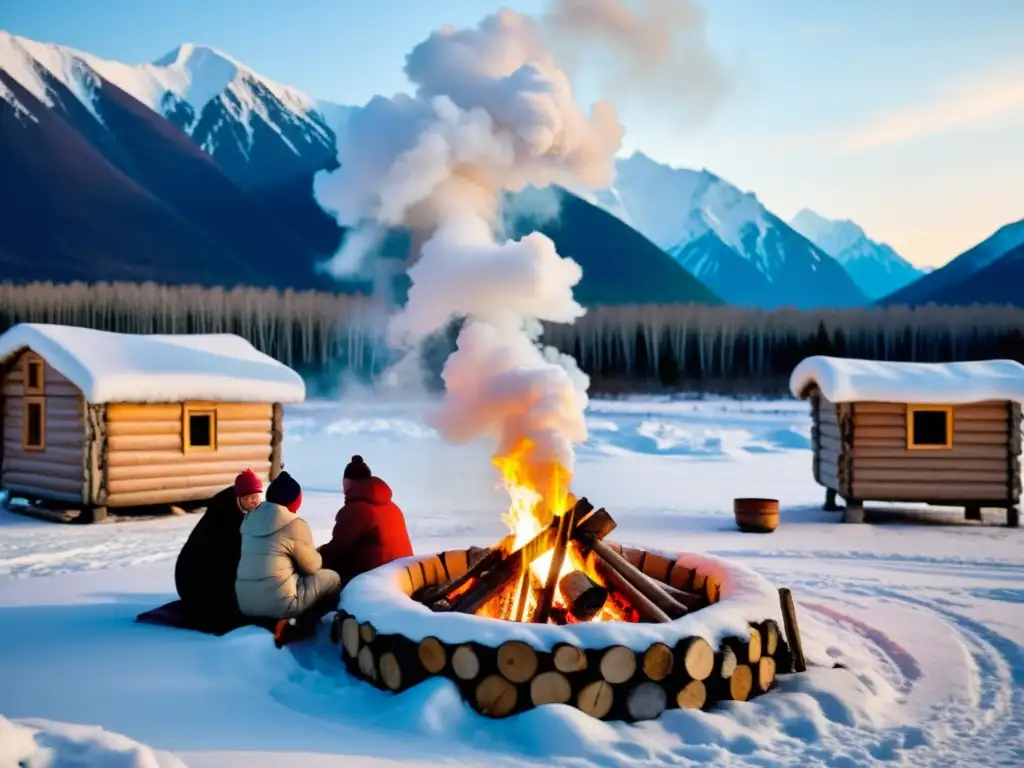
729 648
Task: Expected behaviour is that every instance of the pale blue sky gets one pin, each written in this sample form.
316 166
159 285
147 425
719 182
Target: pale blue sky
906 116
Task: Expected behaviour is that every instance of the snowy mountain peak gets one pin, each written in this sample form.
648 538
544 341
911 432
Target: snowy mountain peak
876 268
832 236
222 104
198 73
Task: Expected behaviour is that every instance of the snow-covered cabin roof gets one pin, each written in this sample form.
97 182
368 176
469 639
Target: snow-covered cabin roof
843 380
131 368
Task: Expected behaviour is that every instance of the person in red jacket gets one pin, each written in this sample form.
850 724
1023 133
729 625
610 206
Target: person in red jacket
369 530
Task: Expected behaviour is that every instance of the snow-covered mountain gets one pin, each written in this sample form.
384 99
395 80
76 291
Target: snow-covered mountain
875 267
232 112
196 169
727 238
975 276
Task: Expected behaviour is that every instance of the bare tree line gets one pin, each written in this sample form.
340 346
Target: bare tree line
675 346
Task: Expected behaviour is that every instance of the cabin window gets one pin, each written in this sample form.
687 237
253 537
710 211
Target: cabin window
200 430
33 432
33 375
929 427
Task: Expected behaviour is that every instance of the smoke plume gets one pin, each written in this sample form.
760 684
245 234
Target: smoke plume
651 53
491 113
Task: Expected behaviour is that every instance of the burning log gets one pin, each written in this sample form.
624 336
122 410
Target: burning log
647 610
584 597
486 560
640 582
688 600
566 525
590 523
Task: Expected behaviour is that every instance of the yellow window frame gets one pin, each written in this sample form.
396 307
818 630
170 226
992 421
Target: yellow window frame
944 409
186 428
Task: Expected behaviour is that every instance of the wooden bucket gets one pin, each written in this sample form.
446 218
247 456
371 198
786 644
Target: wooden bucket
756 515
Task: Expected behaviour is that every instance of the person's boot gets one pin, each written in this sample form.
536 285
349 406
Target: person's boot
284 632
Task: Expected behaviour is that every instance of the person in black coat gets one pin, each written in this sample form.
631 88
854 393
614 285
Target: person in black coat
208 563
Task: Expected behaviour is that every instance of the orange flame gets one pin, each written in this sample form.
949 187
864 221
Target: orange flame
530 511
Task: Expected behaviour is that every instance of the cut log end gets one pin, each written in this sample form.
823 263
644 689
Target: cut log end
465 663
390 671
765 677
596 699
693 695
550 688
658 662
568 659
698 658
618 664
432 655
350 636
646 701
495 696
741 684
517 661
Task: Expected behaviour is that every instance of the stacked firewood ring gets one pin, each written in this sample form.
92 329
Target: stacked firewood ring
612 683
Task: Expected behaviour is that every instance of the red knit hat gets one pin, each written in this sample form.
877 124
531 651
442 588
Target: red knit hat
248 483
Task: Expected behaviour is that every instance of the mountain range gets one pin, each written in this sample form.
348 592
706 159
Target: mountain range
197 169
727 238
992 272
875 267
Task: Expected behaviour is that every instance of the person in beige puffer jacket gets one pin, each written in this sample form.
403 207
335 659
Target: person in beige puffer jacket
280 574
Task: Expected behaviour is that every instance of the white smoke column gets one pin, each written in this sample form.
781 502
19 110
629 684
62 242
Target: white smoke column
492 113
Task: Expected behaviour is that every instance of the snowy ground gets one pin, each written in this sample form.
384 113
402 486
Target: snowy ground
932 616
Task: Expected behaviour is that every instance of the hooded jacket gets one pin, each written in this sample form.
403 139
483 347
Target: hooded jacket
204 573
277 564
369 531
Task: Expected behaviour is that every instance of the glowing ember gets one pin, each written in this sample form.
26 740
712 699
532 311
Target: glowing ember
528 514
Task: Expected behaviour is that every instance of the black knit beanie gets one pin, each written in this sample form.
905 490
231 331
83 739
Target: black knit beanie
283 490
357 469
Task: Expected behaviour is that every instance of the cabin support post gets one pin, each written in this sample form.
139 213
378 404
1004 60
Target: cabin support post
1013 517
853 512
830 501
972 512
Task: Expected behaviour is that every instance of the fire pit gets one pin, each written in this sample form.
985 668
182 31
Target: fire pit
567 617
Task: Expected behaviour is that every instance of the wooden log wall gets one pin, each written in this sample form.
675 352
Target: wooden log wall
975 468
58 472
146 463
613 683
831 437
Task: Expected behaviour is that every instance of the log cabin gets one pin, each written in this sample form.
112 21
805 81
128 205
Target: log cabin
93 420
941 434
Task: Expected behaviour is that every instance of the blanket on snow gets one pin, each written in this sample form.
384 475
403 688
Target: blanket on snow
175 614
